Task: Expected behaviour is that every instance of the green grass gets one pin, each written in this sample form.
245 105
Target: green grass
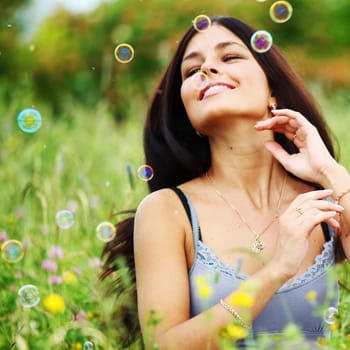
77 161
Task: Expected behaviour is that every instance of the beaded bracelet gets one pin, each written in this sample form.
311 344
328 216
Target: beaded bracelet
235 314
338 198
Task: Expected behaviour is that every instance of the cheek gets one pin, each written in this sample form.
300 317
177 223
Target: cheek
258 85
186 94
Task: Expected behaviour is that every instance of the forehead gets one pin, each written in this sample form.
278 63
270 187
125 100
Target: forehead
211 37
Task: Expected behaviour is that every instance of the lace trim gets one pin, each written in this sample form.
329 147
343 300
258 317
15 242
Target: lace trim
322 261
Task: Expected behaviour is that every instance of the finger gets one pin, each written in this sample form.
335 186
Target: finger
312 218
282 125
272 122
312 195
332 222
326 205
298 117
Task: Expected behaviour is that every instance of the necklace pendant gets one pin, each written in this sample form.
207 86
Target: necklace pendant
257 245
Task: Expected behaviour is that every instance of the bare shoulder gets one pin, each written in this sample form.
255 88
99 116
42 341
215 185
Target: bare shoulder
160 211
158 203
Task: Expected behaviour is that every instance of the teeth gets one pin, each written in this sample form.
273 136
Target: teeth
215 88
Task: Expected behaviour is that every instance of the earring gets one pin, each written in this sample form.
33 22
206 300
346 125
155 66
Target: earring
199 134
272 105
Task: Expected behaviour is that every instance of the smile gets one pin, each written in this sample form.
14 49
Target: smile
213 89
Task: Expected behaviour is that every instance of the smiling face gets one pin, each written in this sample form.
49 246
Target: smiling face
222 79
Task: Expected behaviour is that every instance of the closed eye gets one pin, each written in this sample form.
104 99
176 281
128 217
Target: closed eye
191 72
228 58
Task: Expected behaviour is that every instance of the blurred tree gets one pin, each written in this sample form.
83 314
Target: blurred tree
71 56
10 29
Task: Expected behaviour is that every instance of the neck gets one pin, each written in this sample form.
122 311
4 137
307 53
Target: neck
258 181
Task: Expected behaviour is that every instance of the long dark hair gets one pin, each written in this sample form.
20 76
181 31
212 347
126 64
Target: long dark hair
174 150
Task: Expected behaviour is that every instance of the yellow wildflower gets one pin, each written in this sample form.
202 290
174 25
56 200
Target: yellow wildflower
90 315
69 277
334 326
311 295
76 346
54 303
240 298
204 290
322 341
234 331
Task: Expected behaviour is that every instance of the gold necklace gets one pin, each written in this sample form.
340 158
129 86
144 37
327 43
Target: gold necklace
257 245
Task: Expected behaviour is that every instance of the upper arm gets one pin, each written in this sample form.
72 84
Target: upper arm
160 260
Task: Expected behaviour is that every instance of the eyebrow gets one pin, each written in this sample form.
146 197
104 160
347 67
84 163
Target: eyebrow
218 46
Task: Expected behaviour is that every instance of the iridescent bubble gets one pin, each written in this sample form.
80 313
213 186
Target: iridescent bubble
12 251
29 120
281 11
261 41
124 53
201 23
329 317
88 345
145 172
105 231
64 219
199 80
28 296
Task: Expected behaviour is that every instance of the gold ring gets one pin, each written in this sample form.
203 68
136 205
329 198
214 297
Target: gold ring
294 136
299 210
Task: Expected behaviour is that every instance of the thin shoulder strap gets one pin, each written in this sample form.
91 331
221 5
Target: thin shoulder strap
326 231
190 213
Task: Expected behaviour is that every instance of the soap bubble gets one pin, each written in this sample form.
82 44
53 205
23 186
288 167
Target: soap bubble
145 172
64 219
329 317
201 23
261 41
29 120
28 296
281 11
105 231
199 80
88 345
12 251
124 53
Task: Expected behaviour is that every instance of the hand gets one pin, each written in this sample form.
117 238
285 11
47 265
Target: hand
297 223
313 157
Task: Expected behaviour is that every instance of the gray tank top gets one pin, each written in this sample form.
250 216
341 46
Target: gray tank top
288 305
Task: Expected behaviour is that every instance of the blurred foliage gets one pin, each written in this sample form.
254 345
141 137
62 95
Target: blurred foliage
71 56
10 28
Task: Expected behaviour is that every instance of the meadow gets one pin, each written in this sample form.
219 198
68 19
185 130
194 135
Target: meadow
78 161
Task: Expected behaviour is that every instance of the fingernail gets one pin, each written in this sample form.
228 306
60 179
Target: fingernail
339 207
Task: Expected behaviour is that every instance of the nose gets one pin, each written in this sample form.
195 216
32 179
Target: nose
209 68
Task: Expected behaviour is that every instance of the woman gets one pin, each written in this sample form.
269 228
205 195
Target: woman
258 201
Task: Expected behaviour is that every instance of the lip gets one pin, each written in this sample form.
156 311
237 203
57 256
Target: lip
205 89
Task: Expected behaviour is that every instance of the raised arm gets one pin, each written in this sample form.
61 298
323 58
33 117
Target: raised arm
313 162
